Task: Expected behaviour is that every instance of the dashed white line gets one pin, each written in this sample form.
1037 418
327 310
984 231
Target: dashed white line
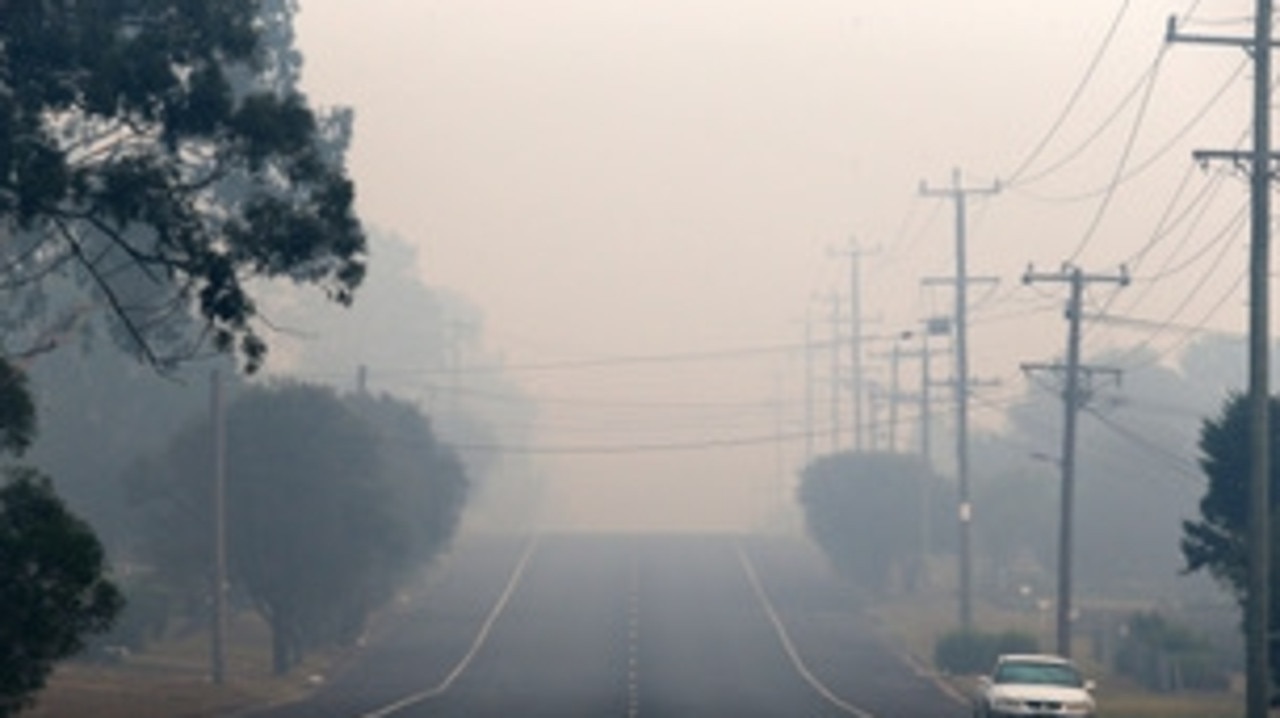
633 643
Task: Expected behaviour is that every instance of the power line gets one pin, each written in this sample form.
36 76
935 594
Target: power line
638 448
1174 461
1017 175
1149 161
1117 177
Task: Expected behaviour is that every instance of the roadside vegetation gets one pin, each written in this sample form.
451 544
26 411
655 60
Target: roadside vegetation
1159 557
167 195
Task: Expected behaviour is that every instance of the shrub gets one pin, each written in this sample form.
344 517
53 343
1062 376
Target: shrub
969 652
1167 657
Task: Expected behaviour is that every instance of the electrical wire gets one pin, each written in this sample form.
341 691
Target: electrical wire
1076 95
1149 161
775 438
1178 463
1116 179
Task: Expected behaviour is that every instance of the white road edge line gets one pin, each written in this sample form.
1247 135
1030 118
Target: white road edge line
494 614
789 646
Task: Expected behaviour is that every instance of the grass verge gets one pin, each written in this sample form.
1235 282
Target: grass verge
171 680
915 623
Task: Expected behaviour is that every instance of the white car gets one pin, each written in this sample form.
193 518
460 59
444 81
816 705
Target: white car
1034 686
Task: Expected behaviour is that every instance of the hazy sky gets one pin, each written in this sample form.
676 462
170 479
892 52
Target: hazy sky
612 178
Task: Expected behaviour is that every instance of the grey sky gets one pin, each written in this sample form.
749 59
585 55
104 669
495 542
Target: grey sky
617 177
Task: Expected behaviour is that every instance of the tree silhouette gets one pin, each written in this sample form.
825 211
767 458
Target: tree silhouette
51 586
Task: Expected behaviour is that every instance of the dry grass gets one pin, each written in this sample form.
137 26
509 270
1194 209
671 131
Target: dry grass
915 624
171 680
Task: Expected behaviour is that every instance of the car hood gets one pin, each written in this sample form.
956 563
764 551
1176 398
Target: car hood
1039 692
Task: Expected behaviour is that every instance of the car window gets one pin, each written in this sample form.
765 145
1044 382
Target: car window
1038 673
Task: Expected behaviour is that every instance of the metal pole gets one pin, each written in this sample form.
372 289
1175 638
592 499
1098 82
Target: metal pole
1258 639
835 373
218 625
926 491
1070 406
808 389
959 195
855 345
894 391
962 409
1257 600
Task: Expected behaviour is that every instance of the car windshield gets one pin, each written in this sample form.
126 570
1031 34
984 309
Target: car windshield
1057 674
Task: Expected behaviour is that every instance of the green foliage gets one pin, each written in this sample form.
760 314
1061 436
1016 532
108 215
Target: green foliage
17 410
1217 542
159 152
864 511
1164 656
52 586
330 506
972 652
426 479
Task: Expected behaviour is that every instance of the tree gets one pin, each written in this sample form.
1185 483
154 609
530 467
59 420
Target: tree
155 157
426 479
864 511
329 508
1217 542
156 152
51 586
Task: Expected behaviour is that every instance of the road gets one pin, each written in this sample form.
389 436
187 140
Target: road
630 626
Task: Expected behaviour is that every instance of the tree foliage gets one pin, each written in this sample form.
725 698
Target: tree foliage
52 588
156 151
1217 542
156 157
864 511
329 509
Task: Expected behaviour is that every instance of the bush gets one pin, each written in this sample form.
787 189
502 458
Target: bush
969 652
1167 657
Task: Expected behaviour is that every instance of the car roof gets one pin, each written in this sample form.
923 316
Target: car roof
1035 658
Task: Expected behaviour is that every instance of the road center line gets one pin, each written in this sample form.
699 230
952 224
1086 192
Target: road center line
494 614
633 641
789 646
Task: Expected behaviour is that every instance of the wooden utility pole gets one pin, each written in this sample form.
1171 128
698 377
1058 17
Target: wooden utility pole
808 389
857 391
218 579
1259 160
959 196
834 299
1074 397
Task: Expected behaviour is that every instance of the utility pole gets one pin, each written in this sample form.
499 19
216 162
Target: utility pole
1073 398
808 388
834 300
1257 601
218 624
855 253
959 195
895 393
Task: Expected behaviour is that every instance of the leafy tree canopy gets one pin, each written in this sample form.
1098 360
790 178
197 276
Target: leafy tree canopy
864 511
51 586
1217 542
154 149
329 505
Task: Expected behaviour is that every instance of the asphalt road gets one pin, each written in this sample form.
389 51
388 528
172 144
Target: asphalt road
631 627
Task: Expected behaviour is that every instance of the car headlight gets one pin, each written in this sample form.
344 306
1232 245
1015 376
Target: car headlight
1081 705
1006 703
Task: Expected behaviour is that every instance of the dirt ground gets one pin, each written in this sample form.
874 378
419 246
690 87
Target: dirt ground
172 681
